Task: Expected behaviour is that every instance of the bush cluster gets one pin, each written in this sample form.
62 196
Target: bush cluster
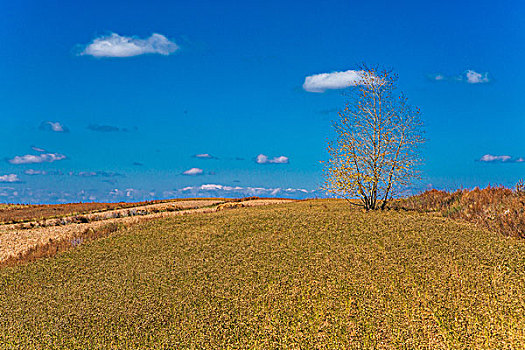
498 209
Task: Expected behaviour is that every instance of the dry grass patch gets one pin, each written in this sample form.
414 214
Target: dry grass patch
497 209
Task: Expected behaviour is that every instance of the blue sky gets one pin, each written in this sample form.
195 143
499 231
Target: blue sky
225 78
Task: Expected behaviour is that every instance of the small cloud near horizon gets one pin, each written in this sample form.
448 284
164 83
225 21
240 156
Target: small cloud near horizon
193 172
264 159
9 178
33 172
115 45
41 158
239 191
204 156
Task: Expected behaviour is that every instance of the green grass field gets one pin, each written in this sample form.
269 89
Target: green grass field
311 274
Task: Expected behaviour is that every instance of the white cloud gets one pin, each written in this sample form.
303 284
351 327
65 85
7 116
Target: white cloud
57 127
237 191
489 158
37 149
439 77
492 158
334 80
96 174
476 78
8 192
211 187
193 172
115 45
296 190
263 159
130 194
9 178
469 76
35 172
204 156
41 158
53 126
279 160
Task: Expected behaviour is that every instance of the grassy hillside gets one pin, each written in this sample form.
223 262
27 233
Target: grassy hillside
311 274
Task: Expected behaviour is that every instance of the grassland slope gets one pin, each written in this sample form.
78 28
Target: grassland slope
312 274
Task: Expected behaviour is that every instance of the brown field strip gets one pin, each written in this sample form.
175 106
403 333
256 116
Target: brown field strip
18 213
20 242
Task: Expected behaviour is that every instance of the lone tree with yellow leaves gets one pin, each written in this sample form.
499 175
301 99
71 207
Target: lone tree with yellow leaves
376 152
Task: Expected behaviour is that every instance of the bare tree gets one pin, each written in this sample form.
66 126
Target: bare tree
376 152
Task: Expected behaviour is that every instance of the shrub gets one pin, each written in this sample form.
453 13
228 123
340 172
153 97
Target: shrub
498 209
82 219
231 205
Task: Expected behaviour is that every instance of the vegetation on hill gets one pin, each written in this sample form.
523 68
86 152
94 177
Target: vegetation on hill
376 151
497 209
309 274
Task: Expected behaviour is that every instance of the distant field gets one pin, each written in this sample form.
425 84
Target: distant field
311 274
15 213
21 213
45 237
